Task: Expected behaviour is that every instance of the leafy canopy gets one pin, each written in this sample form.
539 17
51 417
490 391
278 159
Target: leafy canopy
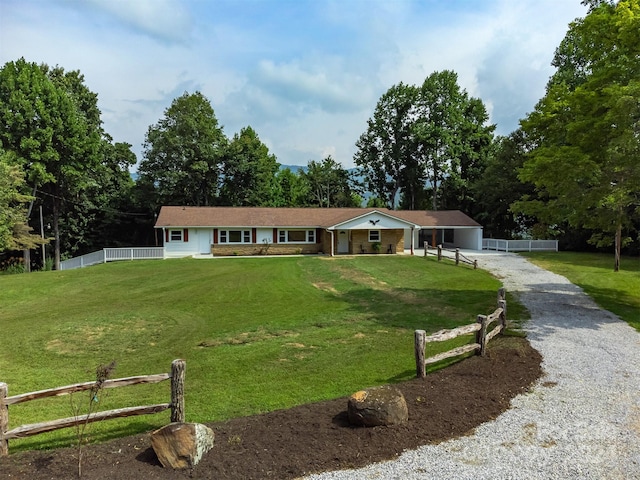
585 132
420 136
183 154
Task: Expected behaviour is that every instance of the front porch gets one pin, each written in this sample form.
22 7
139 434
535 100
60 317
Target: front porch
352 242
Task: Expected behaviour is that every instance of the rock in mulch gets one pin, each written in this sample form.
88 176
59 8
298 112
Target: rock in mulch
182 445
377 406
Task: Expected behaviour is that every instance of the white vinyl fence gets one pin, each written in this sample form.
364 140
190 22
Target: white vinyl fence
112 255
519 245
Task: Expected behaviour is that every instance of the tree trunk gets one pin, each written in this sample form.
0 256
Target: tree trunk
26 260
618 247
26 253
56 232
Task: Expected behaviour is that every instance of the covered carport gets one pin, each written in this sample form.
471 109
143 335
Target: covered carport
448 227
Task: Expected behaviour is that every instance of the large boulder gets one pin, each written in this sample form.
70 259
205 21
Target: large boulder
378 406
182 445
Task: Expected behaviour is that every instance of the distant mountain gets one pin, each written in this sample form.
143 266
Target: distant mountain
294 168
297 168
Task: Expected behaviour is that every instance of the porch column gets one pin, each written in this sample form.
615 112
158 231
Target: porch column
331 233
412 240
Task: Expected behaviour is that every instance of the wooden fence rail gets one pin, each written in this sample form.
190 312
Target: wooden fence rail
421 339
176 404
457 256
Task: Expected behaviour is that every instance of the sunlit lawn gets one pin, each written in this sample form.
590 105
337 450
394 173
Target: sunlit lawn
257 334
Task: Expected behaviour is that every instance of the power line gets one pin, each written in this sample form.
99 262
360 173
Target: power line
106 209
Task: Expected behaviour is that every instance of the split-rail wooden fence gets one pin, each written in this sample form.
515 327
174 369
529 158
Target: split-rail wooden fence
458 257
176 405
480 328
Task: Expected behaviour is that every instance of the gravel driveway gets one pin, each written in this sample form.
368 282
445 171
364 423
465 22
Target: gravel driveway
580 421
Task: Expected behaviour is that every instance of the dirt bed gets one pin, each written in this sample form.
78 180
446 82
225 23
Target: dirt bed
313 438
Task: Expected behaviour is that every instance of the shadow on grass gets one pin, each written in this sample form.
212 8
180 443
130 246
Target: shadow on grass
425 309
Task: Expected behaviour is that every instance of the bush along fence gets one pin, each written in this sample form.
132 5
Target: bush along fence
457 256
176 405
480 328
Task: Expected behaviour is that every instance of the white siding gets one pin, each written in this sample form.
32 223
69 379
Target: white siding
468 238
181 249
373 221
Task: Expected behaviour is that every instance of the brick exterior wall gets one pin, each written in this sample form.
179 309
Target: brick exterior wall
359 238
259 249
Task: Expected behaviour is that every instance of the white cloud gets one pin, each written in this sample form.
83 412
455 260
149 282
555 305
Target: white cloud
163 19
321 83
305 75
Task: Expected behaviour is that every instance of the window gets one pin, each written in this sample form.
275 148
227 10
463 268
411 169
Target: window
235 236
175 235
296 236
374 235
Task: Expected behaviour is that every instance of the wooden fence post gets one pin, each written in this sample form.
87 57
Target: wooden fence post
475 264
177 390
419 345
503 316
481 335
426 248
4 419
439 252
501 295
457 256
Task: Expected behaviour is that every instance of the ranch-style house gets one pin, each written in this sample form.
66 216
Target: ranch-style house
189 231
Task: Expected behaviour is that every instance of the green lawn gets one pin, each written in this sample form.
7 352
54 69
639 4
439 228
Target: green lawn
257 334
618 292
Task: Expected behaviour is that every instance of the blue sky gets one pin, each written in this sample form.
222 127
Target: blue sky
306 75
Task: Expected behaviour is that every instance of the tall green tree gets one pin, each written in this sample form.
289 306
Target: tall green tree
386 151
249 172
291 190
14 230
47 123
586 129
105 214
499 186
330 185
422 136
475 139
183 154
452 137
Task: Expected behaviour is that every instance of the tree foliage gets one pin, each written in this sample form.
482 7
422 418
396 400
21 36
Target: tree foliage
499 186
50 123
104 214
421 136
249 172
183 154
329 184
14 231
291 189
585 131
387 149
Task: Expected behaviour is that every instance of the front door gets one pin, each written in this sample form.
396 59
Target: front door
204 241
343 241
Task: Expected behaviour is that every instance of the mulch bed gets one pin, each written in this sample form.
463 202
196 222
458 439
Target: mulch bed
313 438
